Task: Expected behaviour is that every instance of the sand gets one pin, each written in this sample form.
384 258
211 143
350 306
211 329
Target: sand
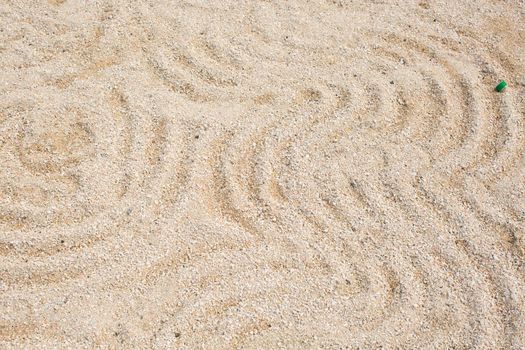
262 175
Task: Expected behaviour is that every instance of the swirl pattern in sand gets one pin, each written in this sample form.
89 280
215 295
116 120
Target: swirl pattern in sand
278 174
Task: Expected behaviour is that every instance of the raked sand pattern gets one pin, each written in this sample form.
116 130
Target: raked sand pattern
262 175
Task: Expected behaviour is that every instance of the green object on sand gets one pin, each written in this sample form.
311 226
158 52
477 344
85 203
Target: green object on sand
502 85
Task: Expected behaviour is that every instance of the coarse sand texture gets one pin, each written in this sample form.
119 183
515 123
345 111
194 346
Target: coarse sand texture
279 174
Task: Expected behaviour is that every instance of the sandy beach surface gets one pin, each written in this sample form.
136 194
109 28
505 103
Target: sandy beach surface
325 174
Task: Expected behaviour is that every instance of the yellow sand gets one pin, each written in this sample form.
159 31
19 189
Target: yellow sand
262 175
